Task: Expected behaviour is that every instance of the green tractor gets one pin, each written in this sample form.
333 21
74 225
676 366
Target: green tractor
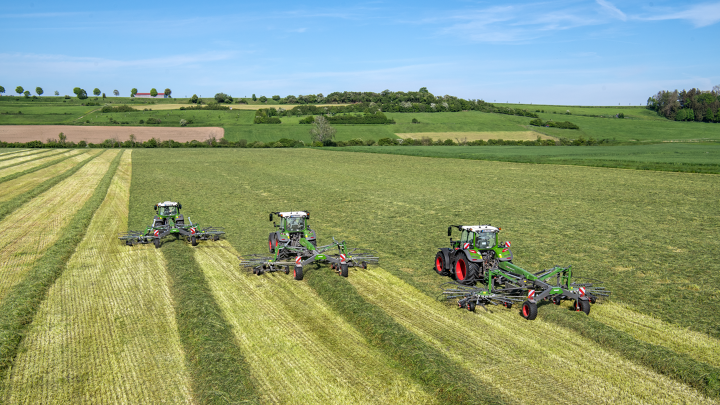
295 244
484 274
169 221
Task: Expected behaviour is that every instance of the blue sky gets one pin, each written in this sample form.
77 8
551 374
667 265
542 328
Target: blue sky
598 52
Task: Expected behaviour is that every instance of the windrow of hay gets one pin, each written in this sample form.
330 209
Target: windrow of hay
503 349
32 228
9 152
107 332
12 155
22 184
299 350
477 135
642 327
10 166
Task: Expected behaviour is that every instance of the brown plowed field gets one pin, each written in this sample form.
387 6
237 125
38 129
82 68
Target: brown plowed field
97 134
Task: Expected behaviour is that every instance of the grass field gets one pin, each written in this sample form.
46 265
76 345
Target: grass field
474 136
116 324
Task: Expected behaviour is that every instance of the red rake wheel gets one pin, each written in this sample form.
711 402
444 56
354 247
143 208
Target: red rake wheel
529 310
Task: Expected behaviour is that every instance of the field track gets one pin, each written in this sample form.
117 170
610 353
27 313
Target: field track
14 187
106 332
288 335
541 346
35 226
97 134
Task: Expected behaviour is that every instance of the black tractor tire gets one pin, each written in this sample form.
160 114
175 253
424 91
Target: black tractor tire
157 243
287 269
582 305
193 241
298 273
474 272
272 243
440 264
464 273
529 310
471 306
344 269
557 300
508 305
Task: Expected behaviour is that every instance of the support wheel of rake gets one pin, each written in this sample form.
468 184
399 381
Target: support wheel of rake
193 241
557 300
582 305
344 269
507 305
464 272
471 306
157 243
529 310
298 273
216 237
287 269
363 265
440 264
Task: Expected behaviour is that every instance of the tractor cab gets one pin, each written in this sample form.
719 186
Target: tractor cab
167 209
293 224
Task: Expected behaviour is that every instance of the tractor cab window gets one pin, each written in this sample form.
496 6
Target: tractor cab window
295 224
167 211
485 240
466 236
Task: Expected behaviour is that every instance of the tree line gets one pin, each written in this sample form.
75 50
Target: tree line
694 105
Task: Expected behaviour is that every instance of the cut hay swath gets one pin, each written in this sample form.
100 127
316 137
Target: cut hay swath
299 350
13 155
14 167
642 327
504 350
9 152
106 333
32 228
17 186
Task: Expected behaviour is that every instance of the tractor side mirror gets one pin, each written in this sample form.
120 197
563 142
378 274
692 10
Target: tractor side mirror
308 215
449 230
271 218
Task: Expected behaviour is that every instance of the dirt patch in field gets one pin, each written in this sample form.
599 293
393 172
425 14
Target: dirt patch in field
97 134
474 136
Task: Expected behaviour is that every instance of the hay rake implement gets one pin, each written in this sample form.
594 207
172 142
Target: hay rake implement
295 245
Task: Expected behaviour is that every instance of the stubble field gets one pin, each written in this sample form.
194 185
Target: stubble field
86 319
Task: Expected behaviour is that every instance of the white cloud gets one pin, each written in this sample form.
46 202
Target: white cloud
611 9
700 15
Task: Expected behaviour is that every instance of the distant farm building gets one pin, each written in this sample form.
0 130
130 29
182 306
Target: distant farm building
148 95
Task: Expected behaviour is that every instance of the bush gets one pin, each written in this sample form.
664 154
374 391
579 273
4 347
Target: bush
183 122
118 109
415 121
387 142
223 98
621 115
142 121
263 99
308 120
153 120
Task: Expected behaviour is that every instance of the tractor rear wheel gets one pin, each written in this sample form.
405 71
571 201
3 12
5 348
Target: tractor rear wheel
344 269
157 243
440 264
582 305
464 272
193 241
298 273
529 310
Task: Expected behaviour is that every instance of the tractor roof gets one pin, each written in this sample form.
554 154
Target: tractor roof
480 228
167 204
293 214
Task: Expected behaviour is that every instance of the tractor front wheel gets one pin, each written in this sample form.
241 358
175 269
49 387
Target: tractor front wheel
440 264
157 243
298 273
529 310
582 305
344 269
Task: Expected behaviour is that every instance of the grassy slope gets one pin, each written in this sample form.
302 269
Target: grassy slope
591 218
106 331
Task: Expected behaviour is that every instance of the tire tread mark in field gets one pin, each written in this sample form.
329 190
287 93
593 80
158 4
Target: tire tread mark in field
218 369
678 366
19 306
432 368
4 157
11 205
15 175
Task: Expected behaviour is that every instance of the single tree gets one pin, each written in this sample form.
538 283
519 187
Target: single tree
168 92
96 92
76 90
2 90
39 91
194 98
62 138
103 96
57 93
276 98
116 93
423 90
133 92
153 92
27 93
263 99
254 98
82 94
19 90
321 130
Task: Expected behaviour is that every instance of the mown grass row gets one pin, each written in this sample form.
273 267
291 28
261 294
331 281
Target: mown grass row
681 367
35 168
432 368
9 156
11 205
19 306
216 364
18 160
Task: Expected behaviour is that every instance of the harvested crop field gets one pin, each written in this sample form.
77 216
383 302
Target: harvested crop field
97 134
476 136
